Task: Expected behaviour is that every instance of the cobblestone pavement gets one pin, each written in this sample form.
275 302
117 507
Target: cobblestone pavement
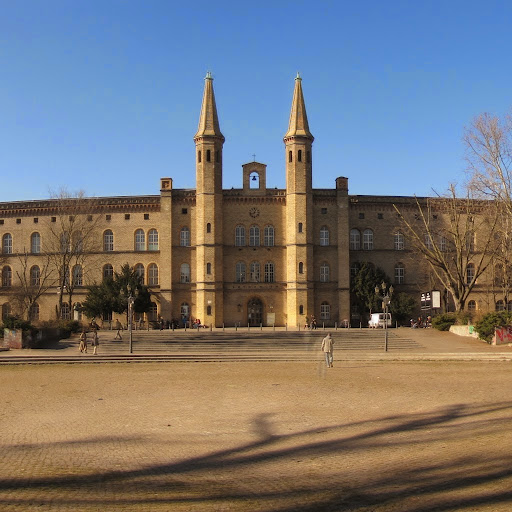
362 436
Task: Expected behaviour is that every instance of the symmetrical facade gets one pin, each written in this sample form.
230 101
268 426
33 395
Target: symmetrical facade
239 256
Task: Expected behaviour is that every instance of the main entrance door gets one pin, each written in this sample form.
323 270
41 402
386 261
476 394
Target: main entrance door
255 312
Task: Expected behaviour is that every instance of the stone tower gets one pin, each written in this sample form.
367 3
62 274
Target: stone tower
208 216
299 211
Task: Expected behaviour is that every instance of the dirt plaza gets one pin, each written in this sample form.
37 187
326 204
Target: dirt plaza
372 436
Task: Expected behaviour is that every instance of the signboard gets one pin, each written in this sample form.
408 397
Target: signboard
426 300
271 318
436 299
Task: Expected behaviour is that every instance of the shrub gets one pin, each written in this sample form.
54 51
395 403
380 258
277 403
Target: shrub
486 326
444 322
13 322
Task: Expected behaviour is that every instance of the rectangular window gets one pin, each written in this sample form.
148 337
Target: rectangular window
126 216
184 211
146 216
324 211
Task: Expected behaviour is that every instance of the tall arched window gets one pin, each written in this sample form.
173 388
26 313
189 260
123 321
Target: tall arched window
301 267
240 236
208 268
325 311
33 312
185 273
472 305
140 240
254 236
500 305
324 235
355 240
108 240
208 227
153 240
240 272
470 273
185 237
108 271
368 240
152 274
399 273
268 238
153 312
399 241
7 244
255 272
35 276
269 272
6 310
139 272
65 312
324 273
35 243
77 275
6 277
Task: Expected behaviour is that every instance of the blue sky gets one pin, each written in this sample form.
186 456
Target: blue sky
104 96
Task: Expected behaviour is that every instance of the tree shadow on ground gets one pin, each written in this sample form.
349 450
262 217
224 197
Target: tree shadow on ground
415 462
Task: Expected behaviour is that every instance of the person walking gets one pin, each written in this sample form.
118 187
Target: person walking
83 341
327 348
119 328
95 342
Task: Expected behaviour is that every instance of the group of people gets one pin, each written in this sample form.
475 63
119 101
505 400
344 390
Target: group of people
310 324
420 323
94 341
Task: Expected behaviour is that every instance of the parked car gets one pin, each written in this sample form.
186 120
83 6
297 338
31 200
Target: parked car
379 320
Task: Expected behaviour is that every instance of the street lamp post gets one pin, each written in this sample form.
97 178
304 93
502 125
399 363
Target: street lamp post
131 300
386 299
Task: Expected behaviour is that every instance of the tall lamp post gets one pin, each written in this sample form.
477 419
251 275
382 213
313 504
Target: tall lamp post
386 299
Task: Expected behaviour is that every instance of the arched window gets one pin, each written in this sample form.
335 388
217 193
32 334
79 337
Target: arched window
6 277
470 242
35 243
509 305
355 240
472 305
139 272
325 311
255 272
399 273
108 271
108 240
35 276
500 305
299 155
208 227
140 240
199 156
240 236
208 268
254 236
268 238
153 312
368 240
354 269
269 272
77 275
301 267
443 244
290 157
240 272
185 273
152 274
6 310
324 236
299 227
34 312
65 243
65 312
399 241
185 237
153 240
208 155
324 273
470 273
208 310
7 244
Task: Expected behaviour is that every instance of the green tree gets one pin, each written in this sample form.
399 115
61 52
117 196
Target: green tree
363 285
402 307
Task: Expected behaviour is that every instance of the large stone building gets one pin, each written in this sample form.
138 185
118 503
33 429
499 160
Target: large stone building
251 255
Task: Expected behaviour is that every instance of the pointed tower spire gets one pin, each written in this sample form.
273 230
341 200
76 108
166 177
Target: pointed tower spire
298 125
208 120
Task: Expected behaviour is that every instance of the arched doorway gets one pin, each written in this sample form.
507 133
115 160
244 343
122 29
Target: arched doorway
255 312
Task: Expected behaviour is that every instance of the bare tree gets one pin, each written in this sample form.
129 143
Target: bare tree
34 281
71 238
444 231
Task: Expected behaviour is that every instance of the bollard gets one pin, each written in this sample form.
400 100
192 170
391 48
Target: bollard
299 326
236 327
172 325
323 324
261 327
274 327
248 327
286 326
222 326
360 325
211 327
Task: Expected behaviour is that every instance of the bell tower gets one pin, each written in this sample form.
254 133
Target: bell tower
208 226
298 142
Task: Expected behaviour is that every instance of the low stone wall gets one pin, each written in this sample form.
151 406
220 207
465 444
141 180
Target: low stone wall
464 330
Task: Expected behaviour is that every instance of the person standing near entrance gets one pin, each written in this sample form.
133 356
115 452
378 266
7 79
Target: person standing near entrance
327 348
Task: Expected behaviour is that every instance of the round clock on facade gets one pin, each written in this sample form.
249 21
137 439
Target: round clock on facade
254 212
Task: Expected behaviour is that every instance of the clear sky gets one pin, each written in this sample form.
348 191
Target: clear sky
104 95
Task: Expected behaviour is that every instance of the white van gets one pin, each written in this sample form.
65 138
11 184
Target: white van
379 319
